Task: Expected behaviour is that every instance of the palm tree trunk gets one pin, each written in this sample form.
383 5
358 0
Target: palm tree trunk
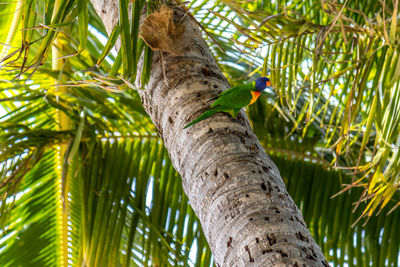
233 186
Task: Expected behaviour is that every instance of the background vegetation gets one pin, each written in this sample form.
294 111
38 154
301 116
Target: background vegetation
84 176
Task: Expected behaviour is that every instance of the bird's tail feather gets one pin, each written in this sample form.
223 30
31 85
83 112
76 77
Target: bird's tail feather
203 116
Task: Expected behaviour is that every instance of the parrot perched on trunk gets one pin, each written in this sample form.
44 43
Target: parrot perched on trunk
235 98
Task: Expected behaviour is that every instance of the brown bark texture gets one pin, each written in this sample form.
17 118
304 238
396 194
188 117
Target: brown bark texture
233 186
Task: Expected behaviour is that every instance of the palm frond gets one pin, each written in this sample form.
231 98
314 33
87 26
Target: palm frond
332 65
330 219
29 234
314 186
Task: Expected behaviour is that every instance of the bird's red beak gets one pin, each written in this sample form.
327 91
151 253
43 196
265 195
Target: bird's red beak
268 84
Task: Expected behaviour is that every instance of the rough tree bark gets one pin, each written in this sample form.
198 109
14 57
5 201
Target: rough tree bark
235 189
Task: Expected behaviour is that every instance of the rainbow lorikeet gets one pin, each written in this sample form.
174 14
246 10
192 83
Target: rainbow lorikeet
235 98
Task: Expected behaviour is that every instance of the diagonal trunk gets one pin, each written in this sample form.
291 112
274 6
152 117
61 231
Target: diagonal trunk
235 189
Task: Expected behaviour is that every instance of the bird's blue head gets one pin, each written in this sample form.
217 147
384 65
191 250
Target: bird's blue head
262 84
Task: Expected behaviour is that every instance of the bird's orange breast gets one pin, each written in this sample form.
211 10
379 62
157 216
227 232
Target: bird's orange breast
255 96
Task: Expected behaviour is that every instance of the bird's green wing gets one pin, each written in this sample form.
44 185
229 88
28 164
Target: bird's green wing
231 100
249 86
235 97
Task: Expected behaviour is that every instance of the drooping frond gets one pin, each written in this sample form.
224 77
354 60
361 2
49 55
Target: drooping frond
334 65
29 221
330 219
314 186
127 207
